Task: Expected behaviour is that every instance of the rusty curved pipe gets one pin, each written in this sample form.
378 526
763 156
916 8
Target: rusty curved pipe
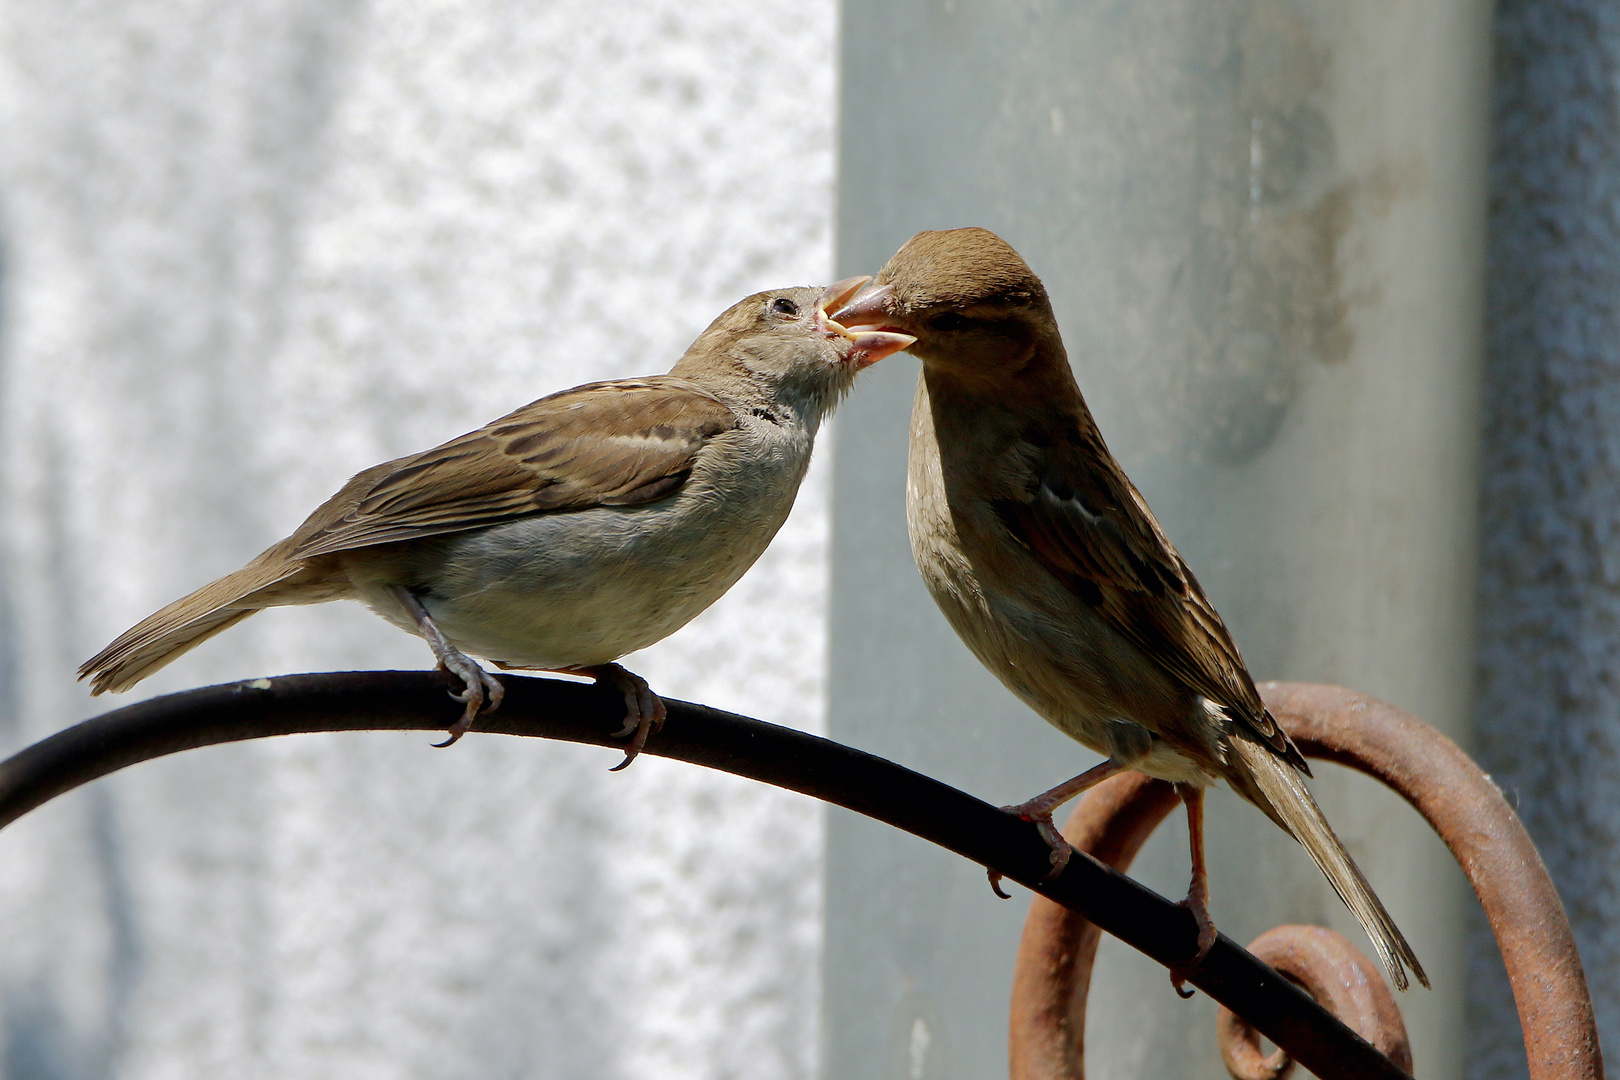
1046 1037
1337 975
1428 770
1487 839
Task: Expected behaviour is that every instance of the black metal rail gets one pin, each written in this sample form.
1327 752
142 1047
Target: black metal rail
575 712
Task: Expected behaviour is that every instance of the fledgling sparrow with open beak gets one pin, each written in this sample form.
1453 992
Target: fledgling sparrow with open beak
562 536
1050 566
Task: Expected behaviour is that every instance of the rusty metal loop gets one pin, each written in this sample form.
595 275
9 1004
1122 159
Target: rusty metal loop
1327 966
1047 1036
1487 839
1113 820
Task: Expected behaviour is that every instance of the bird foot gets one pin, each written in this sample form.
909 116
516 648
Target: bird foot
1039 814
1197 902
644 710
482 692
1039 810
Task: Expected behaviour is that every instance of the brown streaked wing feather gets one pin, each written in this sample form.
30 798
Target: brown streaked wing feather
1093 531
601 444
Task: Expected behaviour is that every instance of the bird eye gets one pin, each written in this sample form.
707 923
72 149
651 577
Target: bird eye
783 306
950 321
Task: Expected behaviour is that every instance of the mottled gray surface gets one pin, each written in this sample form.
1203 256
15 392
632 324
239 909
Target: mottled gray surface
1548 716
249 247
1268 267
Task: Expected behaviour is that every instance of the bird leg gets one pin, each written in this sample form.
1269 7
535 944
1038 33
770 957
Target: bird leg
644 710
1039 810
1197 900
481 686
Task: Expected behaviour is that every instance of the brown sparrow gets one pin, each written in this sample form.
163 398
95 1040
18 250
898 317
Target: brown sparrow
581 527
1046 560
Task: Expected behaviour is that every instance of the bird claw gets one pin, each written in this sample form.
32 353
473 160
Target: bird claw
645 711
995 884
1060 847
482 692
1042 820
1197 902
1206 941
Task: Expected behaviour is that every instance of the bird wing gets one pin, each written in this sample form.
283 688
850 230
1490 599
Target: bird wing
1092 530
601 444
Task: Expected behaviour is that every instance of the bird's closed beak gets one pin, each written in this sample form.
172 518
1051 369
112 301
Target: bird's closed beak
867 344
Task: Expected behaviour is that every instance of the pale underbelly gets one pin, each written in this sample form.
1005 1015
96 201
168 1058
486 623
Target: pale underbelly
575 589
1079 678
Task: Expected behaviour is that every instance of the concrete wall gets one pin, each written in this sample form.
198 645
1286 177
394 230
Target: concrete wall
247 248
1262 225
250 247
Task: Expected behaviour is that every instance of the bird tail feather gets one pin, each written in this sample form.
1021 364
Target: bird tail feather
188 622
1277 788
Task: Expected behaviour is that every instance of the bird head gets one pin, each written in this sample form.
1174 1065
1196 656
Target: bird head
784 345
976 309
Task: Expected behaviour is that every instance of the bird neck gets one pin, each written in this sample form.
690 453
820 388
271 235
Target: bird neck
1043 385
792 397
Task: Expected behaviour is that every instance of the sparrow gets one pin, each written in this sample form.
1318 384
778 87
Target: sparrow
581 527
1047 562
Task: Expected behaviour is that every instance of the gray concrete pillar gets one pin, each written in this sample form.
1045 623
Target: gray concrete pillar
1261 222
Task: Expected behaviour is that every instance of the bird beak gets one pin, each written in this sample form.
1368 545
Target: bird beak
839 293
867 344
867 310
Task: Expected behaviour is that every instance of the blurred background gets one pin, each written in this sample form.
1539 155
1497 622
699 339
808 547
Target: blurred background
251 248
1342 283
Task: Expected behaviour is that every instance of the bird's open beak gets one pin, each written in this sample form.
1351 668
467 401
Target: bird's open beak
840 293
866 310
867 344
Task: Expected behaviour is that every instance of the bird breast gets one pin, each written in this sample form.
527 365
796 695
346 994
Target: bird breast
1040 640
582 588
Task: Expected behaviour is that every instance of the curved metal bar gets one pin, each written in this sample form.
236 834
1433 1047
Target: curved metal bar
1334 972
790 759
1440 781
1467 809
1046 1039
